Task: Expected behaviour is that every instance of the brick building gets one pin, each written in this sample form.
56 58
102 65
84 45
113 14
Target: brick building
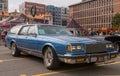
4 5
3 9
25 8
96 14
40 17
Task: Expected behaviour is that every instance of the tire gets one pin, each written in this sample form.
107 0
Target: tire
51 61
15 51
92 63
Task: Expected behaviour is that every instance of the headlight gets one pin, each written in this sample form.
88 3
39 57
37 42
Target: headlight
109 46
73 47
79 47
76 47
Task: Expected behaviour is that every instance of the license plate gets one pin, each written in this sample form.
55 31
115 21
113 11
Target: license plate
93 59
100 59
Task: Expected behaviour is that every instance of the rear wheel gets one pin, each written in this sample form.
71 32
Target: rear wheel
14 50
50 59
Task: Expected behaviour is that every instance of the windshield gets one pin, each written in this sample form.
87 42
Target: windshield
49 29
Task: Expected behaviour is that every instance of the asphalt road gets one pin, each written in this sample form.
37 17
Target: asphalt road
33 66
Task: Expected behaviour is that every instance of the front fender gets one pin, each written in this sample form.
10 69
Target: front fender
48 44
113 38
8 43
12 41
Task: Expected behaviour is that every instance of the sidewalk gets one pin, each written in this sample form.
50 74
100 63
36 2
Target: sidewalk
1 43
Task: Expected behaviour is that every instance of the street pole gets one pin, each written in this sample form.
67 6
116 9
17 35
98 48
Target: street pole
44 16
33 12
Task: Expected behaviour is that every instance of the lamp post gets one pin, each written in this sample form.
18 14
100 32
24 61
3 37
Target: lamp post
33 11
2 15
44 16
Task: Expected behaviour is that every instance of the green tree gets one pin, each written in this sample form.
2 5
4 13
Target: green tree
116 21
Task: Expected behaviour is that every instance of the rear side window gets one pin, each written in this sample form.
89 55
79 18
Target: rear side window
14 30
31 30
24 30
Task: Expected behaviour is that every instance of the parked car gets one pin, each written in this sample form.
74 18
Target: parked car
115 39
56 44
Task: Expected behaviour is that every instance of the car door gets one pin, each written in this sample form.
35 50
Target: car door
22 35
31 39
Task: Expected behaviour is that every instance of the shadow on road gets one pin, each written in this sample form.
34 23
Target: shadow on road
63 66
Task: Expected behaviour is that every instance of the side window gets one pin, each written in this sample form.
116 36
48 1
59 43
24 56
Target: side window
24 30
31 30
14 30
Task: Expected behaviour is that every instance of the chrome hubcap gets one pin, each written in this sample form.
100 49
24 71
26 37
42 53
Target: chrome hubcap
13 49
48 56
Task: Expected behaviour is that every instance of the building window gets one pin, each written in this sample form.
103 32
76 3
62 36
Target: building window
0 6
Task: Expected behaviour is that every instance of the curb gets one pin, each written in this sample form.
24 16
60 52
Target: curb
1 43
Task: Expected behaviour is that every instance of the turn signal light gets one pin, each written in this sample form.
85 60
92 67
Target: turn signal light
113 56
68 48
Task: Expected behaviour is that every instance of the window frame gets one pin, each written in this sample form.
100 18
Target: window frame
16 28
22 29
29 29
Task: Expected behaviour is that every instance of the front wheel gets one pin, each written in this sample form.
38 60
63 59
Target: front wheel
50 59
14 50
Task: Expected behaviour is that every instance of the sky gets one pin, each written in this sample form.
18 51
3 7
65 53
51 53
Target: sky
14 4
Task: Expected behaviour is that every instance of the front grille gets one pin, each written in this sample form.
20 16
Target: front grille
95 48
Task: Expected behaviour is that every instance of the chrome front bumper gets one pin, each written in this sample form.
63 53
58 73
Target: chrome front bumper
88 58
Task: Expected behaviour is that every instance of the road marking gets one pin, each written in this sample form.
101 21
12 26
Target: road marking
7 60
23 75
112 63
111 75
57 72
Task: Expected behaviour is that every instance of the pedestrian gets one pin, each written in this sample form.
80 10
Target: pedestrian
3 35
101 33
91 33
0 33
110 33
86 33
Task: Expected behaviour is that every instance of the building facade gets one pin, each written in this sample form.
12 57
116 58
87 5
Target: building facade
40 17
94 14
3 9
14 13
60 14
25 8
64 16
4 5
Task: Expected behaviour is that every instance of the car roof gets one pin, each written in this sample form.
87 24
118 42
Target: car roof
41 25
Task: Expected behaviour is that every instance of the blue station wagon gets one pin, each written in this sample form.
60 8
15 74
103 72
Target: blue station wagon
55 44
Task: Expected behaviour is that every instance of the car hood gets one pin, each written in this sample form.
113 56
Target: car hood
70 39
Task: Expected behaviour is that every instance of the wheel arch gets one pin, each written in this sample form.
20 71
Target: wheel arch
116 42
48 45
13 41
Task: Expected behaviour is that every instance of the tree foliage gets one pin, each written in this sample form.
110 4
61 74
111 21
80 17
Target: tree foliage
116 21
